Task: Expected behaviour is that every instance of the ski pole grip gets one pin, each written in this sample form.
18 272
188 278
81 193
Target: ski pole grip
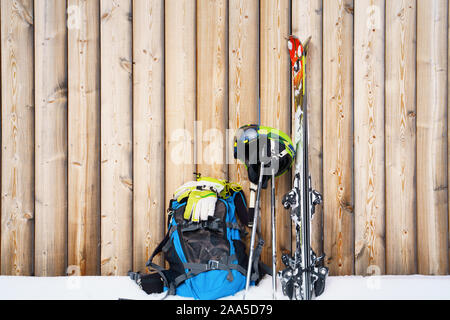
252 203
251 215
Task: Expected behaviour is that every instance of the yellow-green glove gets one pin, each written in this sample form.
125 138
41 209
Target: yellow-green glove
201 204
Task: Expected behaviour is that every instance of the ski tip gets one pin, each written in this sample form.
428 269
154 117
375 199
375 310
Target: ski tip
292 39
306 43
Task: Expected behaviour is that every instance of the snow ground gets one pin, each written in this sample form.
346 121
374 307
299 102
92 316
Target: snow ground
113 288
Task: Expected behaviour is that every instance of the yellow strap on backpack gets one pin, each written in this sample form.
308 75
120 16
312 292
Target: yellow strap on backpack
202 196
227 186
206 184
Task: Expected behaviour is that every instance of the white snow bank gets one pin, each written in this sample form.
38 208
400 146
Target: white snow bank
113 288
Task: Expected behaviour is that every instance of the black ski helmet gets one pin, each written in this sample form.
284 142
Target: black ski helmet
253 144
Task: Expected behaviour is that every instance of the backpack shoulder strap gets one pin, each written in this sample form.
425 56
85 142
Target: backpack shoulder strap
163 247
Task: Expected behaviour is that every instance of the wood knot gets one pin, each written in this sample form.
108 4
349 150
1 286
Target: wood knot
349 9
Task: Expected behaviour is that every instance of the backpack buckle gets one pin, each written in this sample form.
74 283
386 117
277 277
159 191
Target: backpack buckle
213 265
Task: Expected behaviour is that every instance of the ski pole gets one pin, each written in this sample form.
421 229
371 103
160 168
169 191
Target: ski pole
274 237
254 227
274 222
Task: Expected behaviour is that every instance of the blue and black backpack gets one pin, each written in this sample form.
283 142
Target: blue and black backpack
206 256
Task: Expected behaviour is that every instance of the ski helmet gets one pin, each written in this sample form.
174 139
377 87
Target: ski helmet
254 144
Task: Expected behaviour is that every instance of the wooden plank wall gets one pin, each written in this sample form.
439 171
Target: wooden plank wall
180 95
243 76
148 128
338 136
275 111
432 156
212 88
17 220
400 135
369 137
50 74
109 106
116 62
83 137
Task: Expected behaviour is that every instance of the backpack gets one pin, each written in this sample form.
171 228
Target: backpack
205 251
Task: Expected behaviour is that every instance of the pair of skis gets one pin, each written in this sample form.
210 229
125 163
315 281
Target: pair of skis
305 274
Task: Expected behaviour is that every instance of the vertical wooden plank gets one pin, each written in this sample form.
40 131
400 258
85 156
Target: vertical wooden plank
51 137
432 170
116 137
307 20
275 112
17 207
84 137
400 116
338 136
212 87
180 93
369 137
1 106
148 126
243 76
